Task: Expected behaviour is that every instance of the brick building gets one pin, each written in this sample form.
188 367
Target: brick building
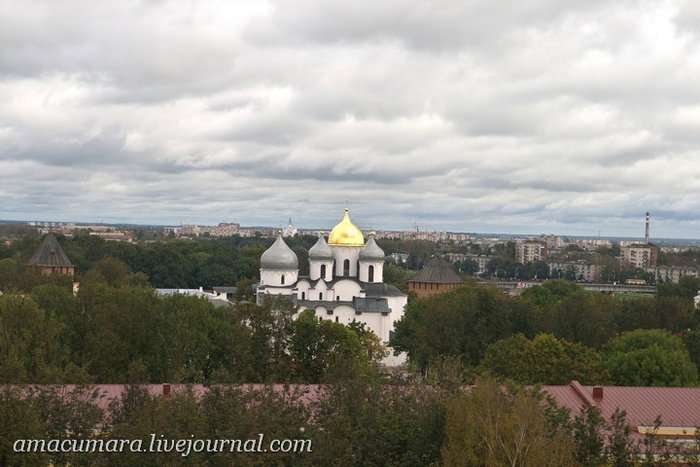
436 277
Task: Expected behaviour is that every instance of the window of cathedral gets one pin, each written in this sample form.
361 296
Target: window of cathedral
282 279
371 274
346 267
323 271
320 295
303 295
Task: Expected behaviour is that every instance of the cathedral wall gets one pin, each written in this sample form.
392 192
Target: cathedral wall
274 277
346 290
341 253
315 269
345 315
378 271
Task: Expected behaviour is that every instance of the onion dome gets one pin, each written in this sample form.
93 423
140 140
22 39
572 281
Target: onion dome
321 250
371 251
346 233
279 256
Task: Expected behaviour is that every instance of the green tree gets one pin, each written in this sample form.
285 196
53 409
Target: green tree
113 270
542 360
649 357
279 412
270 328
8 274
584 317
363 423
18 420
691 339
396 276
490 425
460 322
686 288
588 433
30 349
322 349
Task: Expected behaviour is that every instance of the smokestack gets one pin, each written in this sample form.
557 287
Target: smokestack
646 230
597 392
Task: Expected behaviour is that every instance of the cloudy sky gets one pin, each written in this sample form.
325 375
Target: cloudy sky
535 117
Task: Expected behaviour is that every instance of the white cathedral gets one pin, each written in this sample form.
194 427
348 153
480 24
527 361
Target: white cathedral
344 282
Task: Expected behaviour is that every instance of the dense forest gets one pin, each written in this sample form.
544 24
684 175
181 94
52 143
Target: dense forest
117 329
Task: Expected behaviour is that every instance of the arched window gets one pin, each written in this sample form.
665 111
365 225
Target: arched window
282 279
336 319
320 295
370 274
323 271
346 267
303 295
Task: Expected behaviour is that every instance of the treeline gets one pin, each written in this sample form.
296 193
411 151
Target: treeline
117 329
556 332
355 423
171 264
113 331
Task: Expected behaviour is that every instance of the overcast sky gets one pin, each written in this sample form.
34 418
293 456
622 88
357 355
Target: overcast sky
481 116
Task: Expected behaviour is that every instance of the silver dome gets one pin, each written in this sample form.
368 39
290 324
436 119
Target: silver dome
320 250
279 256
371 251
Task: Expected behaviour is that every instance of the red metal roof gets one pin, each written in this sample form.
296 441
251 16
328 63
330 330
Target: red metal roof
678 407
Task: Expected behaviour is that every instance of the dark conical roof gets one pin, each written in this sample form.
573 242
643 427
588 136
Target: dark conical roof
50 254
437 270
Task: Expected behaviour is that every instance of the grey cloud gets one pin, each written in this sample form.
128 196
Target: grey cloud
473 115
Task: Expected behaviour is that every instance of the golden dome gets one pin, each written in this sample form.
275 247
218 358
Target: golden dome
346 233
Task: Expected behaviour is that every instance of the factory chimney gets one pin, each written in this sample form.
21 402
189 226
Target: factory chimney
646 230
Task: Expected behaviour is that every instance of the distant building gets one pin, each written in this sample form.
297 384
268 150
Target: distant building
639 255
224 229
481 261
289 230
671 273
436 277
581 269
590 244
214 298
528 252
50 258
226 292
553 242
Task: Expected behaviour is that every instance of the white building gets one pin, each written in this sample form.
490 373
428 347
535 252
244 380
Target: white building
671 273
289 230
581 269
638 255
528 252
344 282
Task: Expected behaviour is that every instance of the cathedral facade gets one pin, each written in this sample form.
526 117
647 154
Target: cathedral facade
345 281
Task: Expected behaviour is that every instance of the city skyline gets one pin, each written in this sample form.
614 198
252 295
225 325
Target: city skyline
464 117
